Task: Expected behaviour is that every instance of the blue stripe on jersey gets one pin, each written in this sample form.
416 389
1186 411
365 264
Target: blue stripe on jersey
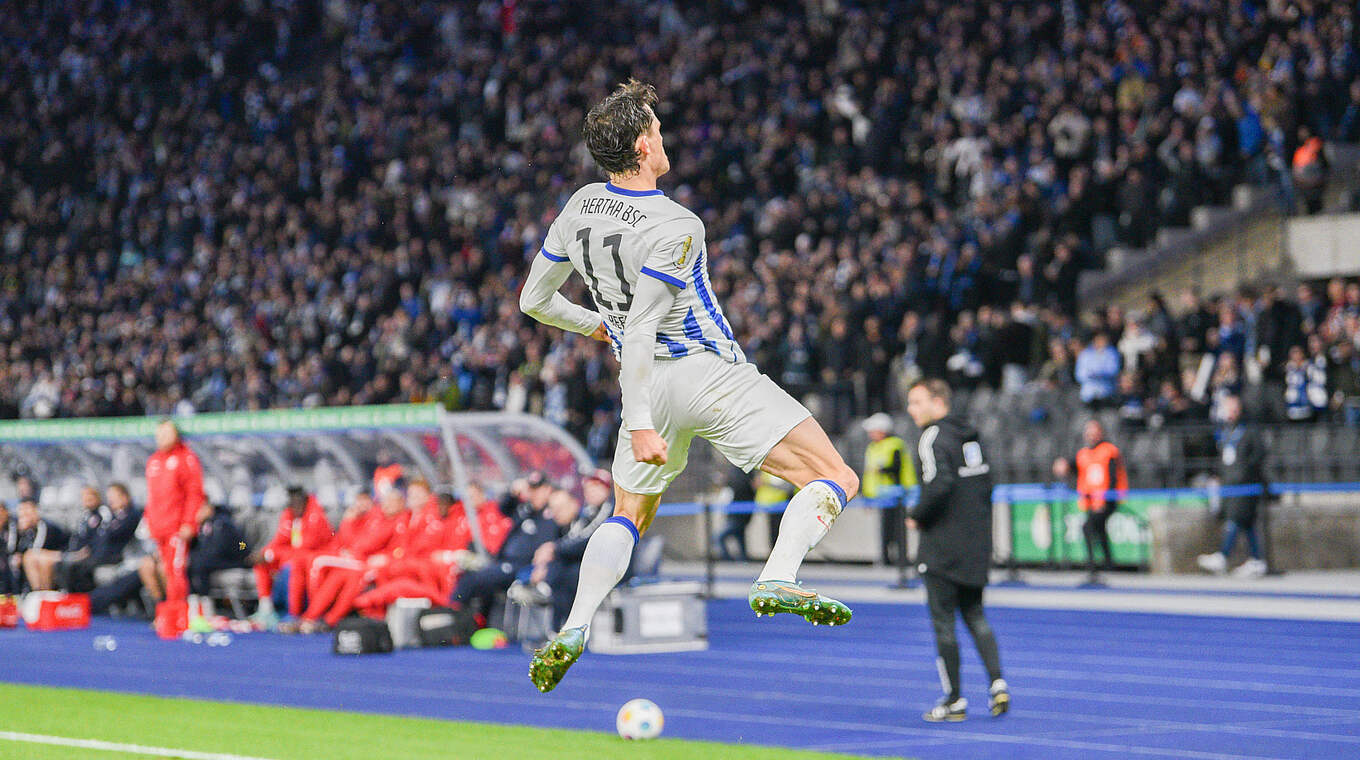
710 305
696 333
613 188
614 341
552 256
666 278
676 348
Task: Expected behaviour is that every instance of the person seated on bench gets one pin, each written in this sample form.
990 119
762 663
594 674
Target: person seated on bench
111 533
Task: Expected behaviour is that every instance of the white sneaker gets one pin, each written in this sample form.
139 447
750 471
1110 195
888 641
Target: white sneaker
1214 563
1252 568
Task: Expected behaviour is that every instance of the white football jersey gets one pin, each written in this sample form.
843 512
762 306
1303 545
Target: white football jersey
613 236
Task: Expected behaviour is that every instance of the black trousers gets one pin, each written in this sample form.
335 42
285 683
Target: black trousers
948 600
1095 531
894 527
482 585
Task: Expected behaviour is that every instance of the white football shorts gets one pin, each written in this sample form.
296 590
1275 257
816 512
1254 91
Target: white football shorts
742 412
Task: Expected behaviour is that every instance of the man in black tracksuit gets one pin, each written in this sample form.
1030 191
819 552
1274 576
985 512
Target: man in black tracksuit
954 517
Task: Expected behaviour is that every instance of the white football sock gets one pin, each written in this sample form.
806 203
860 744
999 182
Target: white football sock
606 559
266 605
806 520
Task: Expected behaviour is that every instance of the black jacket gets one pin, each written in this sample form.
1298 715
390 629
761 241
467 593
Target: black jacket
1242 461
954 512
83 535
219 544
529 533
45 535
114 533
572 546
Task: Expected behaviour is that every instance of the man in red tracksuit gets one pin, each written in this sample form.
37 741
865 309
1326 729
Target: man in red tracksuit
303 530
428 568
337 579
174 492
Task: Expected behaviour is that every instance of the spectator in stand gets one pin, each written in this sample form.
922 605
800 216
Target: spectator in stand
1344 376
1243 459
174 485
39 564
1097 370
146 275
1305 386
303 529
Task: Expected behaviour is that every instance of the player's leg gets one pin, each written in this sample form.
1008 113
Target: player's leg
1103 528
606 559
609 552
805 458
755 423
344 598
943 601
174 564
970 606
265 616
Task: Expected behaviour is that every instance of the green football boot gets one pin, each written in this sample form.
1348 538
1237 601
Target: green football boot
551 662
770 597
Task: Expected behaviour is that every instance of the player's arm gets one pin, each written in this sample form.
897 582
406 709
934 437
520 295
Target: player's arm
191 485
651 302
540 300
937 478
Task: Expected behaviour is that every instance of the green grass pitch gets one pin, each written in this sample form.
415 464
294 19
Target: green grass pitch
286 733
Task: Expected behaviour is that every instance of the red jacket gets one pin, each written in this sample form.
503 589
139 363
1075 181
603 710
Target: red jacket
380 534
428 532
495 525
174 491
309 532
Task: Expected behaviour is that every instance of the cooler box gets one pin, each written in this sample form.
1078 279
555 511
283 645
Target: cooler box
9 612
402 618
56 611
655 617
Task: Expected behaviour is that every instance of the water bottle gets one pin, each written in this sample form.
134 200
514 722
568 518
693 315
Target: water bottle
105 643
219 639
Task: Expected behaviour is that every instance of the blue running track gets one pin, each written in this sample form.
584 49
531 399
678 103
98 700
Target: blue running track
1089 685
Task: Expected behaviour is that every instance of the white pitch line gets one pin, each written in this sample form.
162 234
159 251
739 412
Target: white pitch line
134 749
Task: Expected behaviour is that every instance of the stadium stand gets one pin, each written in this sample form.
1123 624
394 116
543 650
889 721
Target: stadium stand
306 203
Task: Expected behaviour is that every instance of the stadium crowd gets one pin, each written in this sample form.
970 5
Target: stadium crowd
222 206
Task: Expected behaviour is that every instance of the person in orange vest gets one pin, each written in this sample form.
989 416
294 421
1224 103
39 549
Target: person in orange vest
1101 479
174 492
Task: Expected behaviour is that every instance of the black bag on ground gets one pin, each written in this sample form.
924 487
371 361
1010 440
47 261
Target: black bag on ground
442 627
361 636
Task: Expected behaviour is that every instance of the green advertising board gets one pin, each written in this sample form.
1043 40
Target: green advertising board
1049 531
391 416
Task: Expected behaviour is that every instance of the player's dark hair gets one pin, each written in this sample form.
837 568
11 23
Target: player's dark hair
615 123
936 387
121 488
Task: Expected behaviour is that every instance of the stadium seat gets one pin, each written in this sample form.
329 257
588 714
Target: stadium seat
236 586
